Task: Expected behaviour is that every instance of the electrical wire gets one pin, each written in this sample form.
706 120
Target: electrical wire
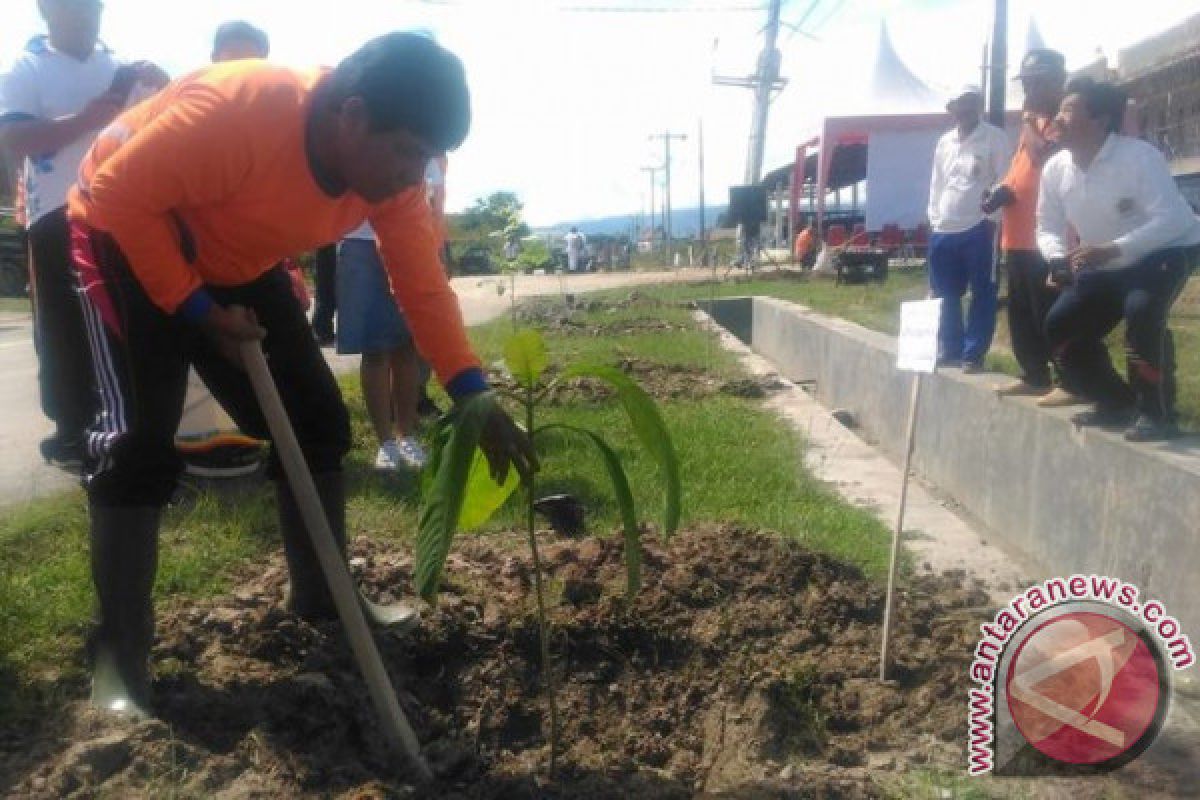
640 8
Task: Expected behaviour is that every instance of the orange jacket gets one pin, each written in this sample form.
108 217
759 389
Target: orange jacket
221 151
1037 143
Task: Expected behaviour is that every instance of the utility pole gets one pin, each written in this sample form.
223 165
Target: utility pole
999 64
764 82
984 69
700 161
653 174
667 136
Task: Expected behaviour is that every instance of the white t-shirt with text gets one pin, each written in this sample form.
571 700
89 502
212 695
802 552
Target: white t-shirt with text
44 84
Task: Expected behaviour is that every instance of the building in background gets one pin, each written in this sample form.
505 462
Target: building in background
1162 76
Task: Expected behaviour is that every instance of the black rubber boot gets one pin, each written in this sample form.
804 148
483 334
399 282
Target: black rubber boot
124 560
308 593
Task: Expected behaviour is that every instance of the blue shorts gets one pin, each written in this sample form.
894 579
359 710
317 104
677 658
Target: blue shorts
368 320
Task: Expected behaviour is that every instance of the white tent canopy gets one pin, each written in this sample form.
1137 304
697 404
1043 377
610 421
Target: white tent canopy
894 87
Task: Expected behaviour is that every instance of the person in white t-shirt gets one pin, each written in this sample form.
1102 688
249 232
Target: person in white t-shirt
574 242
968 161
54 98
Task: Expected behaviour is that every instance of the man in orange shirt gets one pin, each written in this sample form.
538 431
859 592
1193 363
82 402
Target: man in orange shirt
1043 74
183 209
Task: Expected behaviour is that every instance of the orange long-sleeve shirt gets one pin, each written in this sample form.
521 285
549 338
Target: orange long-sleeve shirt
1019 218
222 151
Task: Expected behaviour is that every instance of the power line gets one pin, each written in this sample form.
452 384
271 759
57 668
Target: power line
832 13
640 8
808 13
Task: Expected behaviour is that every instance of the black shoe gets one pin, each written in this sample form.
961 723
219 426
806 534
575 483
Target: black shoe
1149 429
325 338
63 452
972 367
1103 418
944 362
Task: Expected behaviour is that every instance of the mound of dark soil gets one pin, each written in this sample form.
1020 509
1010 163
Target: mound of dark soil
745 668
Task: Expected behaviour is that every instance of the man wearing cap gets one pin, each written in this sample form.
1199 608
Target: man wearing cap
1042 75
968 160
1138 241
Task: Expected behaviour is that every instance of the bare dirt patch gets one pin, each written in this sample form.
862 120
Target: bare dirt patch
585 316
745 668
660 381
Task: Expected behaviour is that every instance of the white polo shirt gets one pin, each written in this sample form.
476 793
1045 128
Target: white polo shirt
963 169
574 242
45 84
1126 196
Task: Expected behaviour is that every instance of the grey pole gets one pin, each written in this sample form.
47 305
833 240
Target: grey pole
700 160
768 75
653 172
999 64
667 136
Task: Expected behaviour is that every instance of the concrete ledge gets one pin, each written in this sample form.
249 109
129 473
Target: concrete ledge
1066 500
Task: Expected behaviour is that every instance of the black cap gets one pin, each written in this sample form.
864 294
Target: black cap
1042 62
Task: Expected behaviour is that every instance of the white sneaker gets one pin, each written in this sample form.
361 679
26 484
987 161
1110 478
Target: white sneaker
411 453
388 458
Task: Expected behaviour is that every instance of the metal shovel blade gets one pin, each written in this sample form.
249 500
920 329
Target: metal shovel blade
399 618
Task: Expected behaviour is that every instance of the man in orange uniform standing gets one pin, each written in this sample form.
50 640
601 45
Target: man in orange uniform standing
184 207
1043 74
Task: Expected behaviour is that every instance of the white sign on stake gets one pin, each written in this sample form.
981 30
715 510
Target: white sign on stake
916 351
916 347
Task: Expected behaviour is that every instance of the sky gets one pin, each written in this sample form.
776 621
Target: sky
567 93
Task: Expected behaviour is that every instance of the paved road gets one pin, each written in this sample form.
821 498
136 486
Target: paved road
24 476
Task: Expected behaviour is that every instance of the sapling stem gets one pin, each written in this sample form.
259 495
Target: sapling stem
543 627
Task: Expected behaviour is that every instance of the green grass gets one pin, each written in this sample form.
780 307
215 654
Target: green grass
15 304
942 784
739 466
756 481
878 307
928 784
45 583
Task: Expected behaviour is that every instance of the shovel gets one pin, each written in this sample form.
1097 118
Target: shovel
346 598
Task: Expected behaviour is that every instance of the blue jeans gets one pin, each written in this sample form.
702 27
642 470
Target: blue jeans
1140 294
957 261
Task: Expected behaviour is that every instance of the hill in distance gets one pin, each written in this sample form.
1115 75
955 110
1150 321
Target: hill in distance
685 222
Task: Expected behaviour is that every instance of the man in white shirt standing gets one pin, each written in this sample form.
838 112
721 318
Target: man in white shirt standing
574 243
968 161
1138 241
54 98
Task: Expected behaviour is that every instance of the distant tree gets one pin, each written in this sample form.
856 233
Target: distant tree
498 213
